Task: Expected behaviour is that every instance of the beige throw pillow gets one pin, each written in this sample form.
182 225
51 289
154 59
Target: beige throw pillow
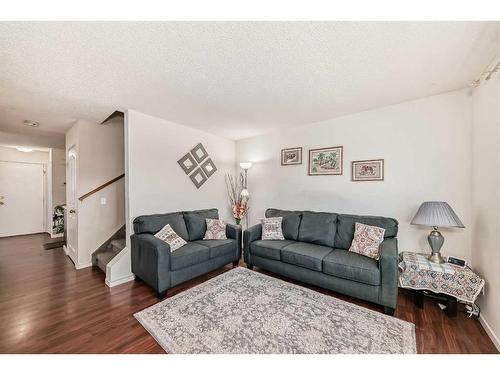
216 230
168 235
367 240
271 228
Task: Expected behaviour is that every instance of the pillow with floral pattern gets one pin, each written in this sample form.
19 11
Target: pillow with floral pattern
216 230
168 235
367 240
272 228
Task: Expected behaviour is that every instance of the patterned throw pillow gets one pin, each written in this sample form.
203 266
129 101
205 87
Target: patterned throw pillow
271 228
367 240
168 235
216 230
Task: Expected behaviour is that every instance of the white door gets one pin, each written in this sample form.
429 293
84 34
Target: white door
71 206
22 198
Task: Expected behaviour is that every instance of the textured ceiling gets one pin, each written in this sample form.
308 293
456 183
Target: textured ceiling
235 79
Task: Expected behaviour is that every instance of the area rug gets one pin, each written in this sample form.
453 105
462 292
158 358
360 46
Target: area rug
243 311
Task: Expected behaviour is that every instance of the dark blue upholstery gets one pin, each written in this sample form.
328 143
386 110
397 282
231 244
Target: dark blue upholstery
155 264
320 255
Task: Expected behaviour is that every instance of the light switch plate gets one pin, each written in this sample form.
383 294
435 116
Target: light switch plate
103 201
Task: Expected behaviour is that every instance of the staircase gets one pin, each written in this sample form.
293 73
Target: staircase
109 250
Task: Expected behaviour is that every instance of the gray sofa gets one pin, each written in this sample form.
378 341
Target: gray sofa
315 251
153 262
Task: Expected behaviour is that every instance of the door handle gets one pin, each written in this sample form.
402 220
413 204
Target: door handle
1 201
72 211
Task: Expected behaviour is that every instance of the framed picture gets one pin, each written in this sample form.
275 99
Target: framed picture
198 178
291 156
325 161
208 167
187 163
199 152
368 170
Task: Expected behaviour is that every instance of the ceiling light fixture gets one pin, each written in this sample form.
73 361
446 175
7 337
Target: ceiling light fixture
33 124
24 149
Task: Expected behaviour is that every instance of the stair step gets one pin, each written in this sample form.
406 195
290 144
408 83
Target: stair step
118 244
104 257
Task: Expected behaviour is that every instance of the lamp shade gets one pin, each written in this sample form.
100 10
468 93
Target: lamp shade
245 165
436 214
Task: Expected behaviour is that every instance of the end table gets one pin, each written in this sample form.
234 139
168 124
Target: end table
445 282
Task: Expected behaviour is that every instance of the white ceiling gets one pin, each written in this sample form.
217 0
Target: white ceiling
235 79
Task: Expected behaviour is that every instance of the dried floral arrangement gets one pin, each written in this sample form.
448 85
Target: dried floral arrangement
239 203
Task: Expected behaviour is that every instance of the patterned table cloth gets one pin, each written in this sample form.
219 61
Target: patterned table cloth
417 272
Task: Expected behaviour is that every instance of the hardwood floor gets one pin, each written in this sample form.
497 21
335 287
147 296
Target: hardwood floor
46 306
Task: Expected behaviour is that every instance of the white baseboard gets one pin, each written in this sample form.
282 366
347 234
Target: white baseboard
121 280
56 235
85 265
490 332
65 249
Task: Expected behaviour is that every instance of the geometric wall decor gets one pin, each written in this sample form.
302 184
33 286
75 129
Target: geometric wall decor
198 178
199 152
208 167
187 163
197 165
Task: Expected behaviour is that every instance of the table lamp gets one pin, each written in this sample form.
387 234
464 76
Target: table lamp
436 214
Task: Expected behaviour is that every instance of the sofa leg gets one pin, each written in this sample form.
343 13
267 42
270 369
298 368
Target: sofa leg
235 263
161 295
389 310
250 266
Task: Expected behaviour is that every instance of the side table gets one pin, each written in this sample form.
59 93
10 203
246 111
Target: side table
445 282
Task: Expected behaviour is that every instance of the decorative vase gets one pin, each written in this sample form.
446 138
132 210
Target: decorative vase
238 221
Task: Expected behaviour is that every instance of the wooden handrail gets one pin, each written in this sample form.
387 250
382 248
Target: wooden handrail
100 187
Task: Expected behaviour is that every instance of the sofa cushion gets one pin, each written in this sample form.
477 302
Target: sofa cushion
196 224
219 248
154 223
346 226
168 235
290 224
269 249
351 266
272 228
188 255
305 255
318 228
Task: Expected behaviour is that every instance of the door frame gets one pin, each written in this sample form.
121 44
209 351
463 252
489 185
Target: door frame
45 188
72 185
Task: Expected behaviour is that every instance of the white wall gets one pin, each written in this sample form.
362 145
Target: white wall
486 200
156 182
427 151
100 150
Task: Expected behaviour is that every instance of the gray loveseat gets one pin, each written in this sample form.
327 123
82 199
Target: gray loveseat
315 251
153 262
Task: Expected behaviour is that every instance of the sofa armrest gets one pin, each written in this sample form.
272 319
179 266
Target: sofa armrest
151 260
234 232
389 272
251 234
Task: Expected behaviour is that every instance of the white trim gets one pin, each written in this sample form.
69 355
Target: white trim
84 265
121 280
65 249
489 331
56 235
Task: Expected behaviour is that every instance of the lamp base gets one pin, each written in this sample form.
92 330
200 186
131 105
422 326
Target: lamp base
436 258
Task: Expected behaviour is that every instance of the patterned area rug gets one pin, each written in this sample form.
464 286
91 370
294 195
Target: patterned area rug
243 311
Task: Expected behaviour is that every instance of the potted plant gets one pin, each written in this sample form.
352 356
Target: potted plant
238 201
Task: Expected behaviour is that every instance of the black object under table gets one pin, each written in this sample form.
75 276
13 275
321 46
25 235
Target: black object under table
449 301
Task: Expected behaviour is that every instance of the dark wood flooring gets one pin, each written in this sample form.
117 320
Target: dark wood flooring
46 306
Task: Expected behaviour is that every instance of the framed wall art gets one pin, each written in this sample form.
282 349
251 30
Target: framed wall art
291 156
325 161
368 170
